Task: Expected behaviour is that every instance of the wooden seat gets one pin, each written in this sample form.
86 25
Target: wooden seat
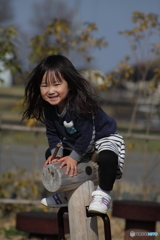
140 216
40 224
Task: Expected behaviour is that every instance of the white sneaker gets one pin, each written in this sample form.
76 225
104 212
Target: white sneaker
56 200
100 202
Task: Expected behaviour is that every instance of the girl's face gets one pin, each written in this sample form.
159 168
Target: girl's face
54 90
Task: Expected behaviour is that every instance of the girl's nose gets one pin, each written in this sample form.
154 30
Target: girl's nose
51 89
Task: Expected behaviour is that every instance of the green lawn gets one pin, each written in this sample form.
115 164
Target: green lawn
10 98
17 90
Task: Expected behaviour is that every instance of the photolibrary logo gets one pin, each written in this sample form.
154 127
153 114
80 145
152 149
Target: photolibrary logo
133 234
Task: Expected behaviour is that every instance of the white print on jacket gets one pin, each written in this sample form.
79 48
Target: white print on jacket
69 127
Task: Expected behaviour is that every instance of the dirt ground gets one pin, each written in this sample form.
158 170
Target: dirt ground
117 226
117 229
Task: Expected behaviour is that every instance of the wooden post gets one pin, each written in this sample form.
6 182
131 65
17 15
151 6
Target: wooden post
79 189
80 226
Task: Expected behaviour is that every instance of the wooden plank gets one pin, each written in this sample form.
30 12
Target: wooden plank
81 227
79 189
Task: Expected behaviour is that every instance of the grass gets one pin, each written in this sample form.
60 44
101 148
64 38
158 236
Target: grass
139 145
11 231
9 98
28 138
16 90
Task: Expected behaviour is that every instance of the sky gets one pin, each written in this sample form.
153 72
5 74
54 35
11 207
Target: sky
111 16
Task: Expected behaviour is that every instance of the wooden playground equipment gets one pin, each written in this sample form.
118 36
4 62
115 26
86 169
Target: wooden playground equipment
82 224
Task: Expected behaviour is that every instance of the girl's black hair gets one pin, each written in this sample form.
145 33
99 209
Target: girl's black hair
81 95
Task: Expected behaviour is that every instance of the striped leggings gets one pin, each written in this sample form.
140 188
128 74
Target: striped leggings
111 154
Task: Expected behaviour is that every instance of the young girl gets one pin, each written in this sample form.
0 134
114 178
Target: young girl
59 96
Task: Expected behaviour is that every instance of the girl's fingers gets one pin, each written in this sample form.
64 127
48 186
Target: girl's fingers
71 166
46 163
60 160
62 164
72 171
68 168
55 160
76 171
50 160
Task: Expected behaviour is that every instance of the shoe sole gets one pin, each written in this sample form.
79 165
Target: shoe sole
96 210
55 206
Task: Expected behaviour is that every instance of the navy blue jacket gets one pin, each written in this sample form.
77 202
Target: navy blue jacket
76 133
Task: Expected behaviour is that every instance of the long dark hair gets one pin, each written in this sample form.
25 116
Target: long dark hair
81 96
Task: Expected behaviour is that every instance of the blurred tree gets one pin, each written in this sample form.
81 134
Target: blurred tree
58 32
141 37
8 53
144 74
58 38
8 39
145 53
43 13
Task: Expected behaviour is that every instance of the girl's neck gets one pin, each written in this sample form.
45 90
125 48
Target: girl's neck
61 108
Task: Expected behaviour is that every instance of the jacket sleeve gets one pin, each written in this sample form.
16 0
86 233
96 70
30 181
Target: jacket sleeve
89 130
85 138
52 134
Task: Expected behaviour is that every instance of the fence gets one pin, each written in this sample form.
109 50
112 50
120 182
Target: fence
141 166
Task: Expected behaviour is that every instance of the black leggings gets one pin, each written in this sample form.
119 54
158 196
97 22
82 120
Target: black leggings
108 162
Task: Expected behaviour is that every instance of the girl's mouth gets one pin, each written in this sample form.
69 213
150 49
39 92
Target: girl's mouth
53 98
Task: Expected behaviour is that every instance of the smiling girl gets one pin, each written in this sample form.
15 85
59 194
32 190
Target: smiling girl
59 96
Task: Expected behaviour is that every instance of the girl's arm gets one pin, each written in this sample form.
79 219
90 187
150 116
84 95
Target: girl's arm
52 134
85 138
90 129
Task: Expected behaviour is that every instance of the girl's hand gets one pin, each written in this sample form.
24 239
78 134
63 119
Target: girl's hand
71 165
51 160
